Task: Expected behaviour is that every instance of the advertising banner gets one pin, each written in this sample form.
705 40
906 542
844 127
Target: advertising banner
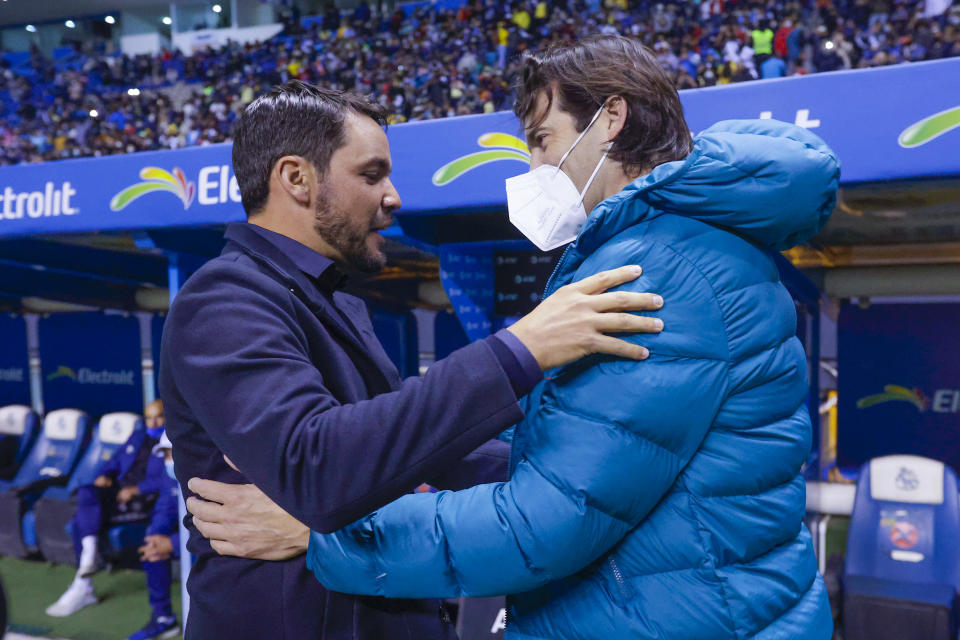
91 361
899 382
898 122
14 363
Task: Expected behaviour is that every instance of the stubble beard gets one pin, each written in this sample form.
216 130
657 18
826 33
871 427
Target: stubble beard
336 229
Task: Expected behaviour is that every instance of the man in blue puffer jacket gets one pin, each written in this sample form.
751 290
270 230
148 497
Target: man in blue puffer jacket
653 500
660 499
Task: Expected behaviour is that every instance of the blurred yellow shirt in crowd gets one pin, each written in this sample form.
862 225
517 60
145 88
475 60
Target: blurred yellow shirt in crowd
762 41
522 19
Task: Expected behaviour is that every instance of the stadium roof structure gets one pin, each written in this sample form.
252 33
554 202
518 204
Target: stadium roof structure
100 231
17 12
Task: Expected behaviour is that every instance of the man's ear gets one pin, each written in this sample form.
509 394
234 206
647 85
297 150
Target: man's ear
294 176
616 111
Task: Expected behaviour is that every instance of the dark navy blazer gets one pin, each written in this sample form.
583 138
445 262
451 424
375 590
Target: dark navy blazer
263 362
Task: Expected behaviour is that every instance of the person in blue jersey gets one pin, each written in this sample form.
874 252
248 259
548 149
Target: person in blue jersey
656 501
112 498
161 545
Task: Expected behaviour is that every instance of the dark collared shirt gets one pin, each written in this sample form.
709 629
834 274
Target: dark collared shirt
520 365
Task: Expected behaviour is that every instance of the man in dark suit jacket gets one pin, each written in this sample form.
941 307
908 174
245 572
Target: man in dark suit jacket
266 361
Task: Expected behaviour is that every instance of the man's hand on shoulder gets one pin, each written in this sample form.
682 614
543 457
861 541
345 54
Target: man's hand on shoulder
573 322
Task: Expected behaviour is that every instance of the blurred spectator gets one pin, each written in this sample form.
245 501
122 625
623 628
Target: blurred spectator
161 544
124 491
425 63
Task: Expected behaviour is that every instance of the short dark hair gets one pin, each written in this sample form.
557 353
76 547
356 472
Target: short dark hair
293 119
585 74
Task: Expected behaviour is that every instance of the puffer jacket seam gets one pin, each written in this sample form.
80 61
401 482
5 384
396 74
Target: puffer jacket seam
779 485
713 565
769 347
760 283
568 492
671 356
607 422
717 565
773 420
796 604
713 290
757 384
448 556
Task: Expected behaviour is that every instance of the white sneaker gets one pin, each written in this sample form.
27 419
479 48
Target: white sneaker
79 595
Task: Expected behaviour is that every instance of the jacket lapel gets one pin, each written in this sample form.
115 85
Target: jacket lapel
372 344
287 273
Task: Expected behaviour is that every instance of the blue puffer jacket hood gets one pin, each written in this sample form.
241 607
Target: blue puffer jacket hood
657 499
771 181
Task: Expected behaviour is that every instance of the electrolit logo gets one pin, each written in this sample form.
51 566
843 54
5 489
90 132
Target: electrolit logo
54 200
930 128
89 376
943 400
214 185
895 393
500 146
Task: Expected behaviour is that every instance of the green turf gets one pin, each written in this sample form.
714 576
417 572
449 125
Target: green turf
33 586
837 530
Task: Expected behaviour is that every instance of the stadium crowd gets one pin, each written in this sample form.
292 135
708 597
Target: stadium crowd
425 63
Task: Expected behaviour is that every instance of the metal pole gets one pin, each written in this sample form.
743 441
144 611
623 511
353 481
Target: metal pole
147 357
814 402
33 358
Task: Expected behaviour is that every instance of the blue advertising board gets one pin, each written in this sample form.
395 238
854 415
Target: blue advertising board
14 362
898 122
91 361
467 276
899 382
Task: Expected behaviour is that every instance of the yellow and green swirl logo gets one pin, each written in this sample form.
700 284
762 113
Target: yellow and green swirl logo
156 179
62 372
922 132
499 146
895 393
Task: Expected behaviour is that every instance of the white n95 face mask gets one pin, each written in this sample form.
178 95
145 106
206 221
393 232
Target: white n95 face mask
545 205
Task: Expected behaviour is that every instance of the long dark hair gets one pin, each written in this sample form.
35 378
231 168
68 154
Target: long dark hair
582 76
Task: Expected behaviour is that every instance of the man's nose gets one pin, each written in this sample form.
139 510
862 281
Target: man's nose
391 200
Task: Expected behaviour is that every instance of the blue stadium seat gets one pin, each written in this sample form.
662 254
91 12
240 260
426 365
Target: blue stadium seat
17 58
55 509
448 334
903 558
19 427
397 333
65 435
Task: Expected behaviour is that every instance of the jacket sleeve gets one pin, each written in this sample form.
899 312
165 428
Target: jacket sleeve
605 444
238 356
488 463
